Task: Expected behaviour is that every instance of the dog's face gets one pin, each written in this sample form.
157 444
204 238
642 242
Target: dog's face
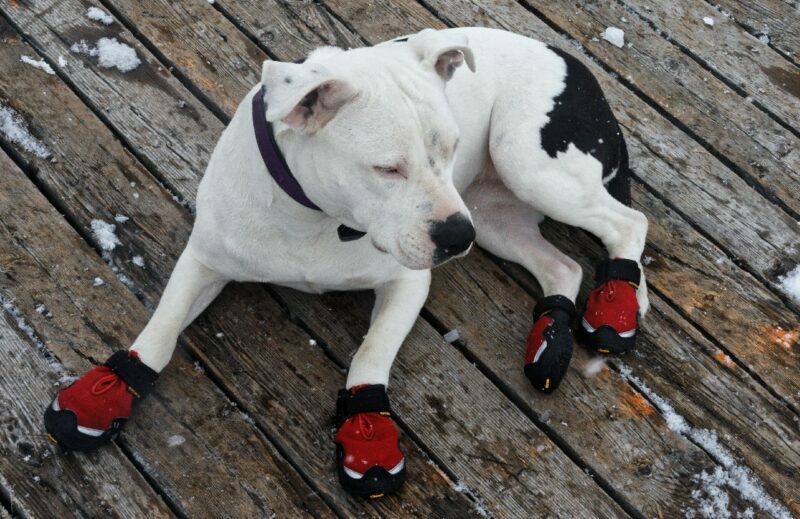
371 137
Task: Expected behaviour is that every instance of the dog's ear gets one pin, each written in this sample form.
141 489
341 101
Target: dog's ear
305 96
445 51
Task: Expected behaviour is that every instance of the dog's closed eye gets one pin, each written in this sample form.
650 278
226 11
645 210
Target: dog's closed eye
390 171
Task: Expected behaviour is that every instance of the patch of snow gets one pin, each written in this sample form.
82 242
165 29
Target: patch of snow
138 261
198 367
121 218
41 309
478 505
594 366
175 440
110 54
790 284
312 342
98 282
220 335
125 280
61 61
729 473
764 39
212 2
15 130
708 21
614 35
104 234
41 64
98 15
451 336
115 54
647 260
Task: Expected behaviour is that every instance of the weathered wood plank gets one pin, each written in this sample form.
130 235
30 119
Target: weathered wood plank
289 28
766 76
56 269
91 185
37 478
775 18
53 27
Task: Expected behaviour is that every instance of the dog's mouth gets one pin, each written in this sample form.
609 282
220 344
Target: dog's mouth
381 249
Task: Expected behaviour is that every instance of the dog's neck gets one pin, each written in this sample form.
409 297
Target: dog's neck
276 164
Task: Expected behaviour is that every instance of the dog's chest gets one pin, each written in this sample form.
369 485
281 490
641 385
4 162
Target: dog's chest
311 263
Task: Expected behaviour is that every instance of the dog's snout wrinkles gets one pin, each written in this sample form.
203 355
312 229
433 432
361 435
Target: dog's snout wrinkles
452 236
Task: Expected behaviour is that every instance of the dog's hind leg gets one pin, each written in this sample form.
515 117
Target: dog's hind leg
509 228
368 457
91 411
569 189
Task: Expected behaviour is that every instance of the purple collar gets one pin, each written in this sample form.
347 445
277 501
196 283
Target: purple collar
277 167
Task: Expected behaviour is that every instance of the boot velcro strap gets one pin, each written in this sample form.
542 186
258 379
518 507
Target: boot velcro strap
368 399
549 303
139 378
618 269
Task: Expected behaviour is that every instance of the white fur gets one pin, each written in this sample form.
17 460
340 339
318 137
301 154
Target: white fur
392 106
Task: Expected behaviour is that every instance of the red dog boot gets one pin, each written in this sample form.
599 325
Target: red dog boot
610 320
369 460
91 411
550 342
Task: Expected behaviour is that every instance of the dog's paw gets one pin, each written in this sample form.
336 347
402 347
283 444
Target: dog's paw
91 411
611 317
368 458
550 340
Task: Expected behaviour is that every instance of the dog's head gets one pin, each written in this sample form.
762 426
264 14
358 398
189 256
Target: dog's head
370 135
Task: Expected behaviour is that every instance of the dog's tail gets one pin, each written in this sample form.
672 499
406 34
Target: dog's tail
619 186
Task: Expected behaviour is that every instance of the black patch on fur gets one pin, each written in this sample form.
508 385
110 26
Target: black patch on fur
581 116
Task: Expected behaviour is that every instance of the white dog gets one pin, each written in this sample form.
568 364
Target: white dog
402 143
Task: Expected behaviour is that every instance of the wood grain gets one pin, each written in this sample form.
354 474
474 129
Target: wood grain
763 74
775 18
180 119
101 180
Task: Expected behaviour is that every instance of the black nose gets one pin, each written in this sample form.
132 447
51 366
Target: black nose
452 236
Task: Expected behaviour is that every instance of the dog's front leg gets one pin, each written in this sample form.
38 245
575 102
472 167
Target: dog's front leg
190 289
91 411
369 459
397 305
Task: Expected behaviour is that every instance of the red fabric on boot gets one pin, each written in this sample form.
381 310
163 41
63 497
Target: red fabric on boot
612 304
97 398
536 341
368 440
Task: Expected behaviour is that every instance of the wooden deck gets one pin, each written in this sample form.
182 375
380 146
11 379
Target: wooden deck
704 418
